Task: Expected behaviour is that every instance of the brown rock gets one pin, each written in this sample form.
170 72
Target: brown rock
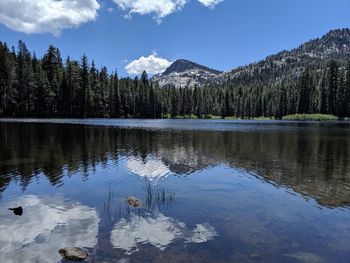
74 253
134 202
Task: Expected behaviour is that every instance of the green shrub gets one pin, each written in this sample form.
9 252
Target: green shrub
310 117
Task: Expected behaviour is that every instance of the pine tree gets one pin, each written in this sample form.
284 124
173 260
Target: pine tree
332 86
322 93
102 93
347 88
42 92
304 88
341 100
52 65
7 75
173 103
86 92
115 96
24 80
72 89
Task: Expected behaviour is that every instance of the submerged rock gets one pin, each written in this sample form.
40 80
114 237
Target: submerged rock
306 257
74 253
202 233
134 202
18 211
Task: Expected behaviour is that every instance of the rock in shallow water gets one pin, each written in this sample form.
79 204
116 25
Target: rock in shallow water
134 202
18 211
74 253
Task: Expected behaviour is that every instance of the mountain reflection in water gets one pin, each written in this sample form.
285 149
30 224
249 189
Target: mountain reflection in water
151 169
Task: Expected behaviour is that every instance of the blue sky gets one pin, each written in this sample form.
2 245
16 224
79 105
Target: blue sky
221 34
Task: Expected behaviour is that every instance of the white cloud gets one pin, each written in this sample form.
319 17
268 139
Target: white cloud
52 16
159 8
151 64
46 16
210 3
47 225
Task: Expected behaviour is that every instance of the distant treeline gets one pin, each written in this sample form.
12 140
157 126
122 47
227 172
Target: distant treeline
49 87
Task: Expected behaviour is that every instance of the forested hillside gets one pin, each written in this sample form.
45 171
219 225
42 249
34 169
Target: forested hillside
314 78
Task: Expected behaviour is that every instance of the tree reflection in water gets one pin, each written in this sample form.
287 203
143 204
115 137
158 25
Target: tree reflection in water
313 162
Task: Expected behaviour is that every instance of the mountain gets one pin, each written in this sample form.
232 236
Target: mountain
289 64
285 65
184 73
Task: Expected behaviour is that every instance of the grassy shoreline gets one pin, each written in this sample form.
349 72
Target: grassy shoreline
215 117
294 117
310 117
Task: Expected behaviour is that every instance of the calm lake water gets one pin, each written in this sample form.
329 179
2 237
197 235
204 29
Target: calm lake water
212 191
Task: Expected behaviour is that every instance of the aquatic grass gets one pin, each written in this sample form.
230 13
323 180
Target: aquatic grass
310 117
157 196
108 209
107 203
156 199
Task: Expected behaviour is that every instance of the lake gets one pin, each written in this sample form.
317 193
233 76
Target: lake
211 191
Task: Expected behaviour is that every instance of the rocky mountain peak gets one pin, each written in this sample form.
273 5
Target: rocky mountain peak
182 65
185 73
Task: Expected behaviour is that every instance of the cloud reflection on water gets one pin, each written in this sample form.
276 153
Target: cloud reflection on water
47 225
159 231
